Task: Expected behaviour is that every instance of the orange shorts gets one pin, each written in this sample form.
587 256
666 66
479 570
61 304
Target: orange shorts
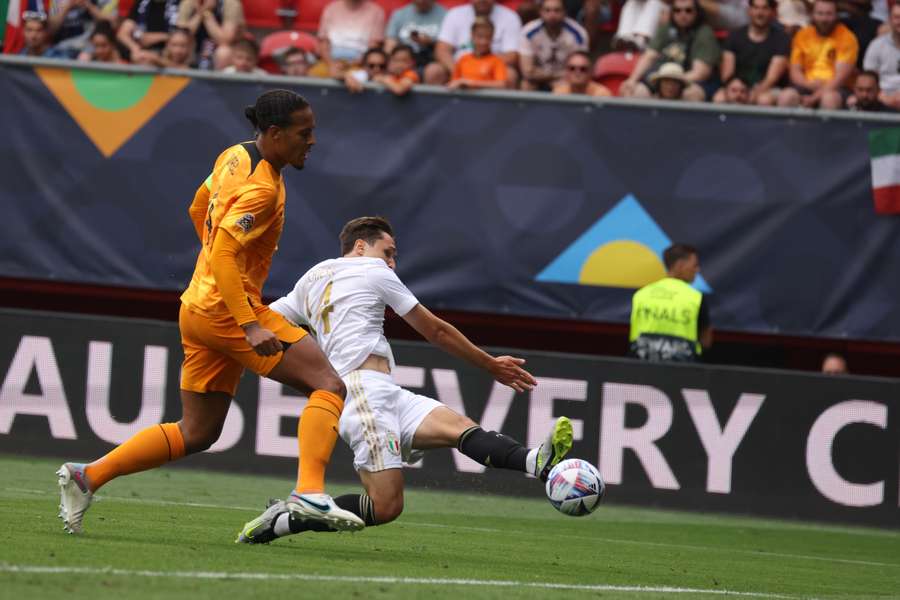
216 350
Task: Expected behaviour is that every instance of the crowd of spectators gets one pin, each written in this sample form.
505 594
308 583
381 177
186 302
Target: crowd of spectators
814 53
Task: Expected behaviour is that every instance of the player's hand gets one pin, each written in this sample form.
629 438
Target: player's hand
508 371
262 340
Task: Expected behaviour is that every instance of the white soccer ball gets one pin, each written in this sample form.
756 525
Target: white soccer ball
574 487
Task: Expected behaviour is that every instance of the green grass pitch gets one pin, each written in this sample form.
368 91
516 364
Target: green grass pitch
170 533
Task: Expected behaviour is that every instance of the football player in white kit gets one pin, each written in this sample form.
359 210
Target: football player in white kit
342 301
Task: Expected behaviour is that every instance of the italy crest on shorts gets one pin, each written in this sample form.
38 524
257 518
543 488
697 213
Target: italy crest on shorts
393 443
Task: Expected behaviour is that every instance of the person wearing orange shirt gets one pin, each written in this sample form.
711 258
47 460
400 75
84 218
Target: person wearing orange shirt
479 68
401 74
823 60
238 214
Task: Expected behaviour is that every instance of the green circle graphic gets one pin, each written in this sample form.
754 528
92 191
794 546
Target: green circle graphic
111 91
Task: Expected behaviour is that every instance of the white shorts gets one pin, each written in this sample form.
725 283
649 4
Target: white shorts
380 419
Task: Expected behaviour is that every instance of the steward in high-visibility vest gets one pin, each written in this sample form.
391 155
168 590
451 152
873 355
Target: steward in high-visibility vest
669 318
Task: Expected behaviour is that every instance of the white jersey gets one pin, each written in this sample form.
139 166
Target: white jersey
343 300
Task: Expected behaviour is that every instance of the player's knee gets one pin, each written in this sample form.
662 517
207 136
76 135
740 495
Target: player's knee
388 508
199 436
336 386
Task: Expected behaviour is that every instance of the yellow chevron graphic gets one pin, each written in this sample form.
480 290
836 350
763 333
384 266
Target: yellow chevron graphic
110 107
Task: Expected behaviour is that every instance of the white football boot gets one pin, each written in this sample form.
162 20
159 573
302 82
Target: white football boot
74 496
321 508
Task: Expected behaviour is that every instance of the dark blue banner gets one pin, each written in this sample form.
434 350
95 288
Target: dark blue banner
542 208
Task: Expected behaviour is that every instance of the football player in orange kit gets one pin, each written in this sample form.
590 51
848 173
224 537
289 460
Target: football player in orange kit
238 213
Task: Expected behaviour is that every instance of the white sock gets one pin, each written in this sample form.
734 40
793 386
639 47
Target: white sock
283 525
531 462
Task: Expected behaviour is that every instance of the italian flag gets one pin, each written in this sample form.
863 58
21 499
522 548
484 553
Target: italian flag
884 152
12 40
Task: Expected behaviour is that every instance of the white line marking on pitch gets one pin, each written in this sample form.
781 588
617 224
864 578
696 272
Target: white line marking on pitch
670 545
490 530
42 570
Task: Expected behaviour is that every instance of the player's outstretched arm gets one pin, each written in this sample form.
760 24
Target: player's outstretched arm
505 369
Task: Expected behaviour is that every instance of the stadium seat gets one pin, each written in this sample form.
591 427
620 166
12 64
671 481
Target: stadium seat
511 4
271 14
614 68
310 13
273 43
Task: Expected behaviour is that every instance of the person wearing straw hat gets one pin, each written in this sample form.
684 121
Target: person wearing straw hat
669 82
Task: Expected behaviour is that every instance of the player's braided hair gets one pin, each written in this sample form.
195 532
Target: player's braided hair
274 108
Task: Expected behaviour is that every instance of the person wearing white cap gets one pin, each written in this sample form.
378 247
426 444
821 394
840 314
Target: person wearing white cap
669 82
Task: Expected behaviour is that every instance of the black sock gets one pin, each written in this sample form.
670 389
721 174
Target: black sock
359 504
492 449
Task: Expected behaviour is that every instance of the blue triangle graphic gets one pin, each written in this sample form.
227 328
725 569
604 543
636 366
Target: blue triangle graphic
627 220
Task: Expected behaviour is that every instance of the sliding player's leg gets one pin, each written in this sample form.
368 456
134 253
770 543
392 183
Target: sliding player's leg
443 428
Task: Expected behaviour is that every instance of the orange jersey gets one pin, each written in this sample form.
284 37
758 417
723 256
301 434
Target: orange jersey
408 74
818 55
244 196
480 68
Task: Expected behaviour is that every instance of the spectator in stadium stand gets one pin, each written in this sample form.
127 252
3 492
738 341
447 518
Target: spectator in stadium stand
416 25
215 25
793 15
103 46
857 16
294 62
244 58
401 71
455 39
71 22
669 82
883 57
346 30
823 59
545 44
689 41
179 50
146 29
736 91
592 15
865 94
669 318
758 54
725 14
834 364
577 77
36 37
397 73
637 24
479 68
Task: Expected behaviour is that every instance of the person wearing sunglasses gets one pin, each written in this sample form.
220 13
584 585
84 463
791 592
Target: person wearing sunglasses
686 40
577 77
373 66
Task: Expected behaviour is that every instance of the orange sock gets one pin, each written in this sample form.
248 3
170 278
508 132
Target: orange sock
148 448
317 433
